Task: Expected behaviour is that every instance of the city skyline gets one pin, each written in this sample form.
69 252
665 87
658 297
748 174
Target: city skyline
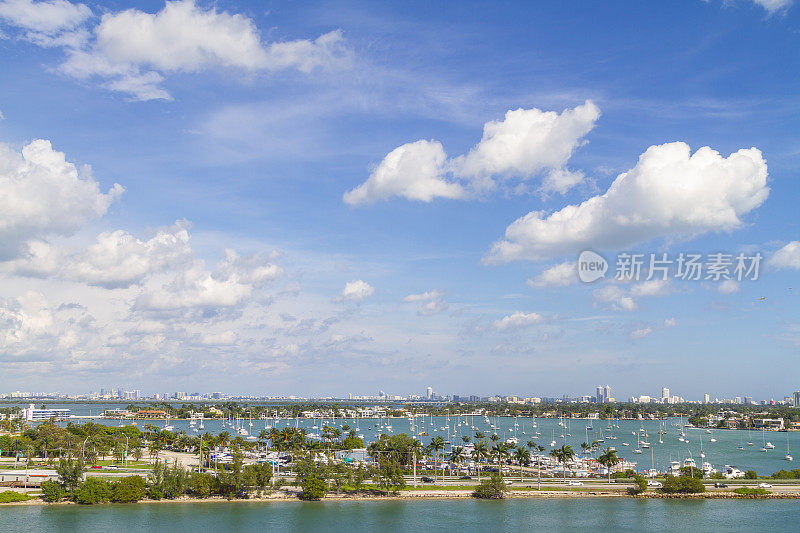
302 199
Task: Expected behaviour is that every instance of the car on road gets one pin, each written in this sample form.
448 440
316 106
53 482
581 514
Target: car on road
426 479
465 477
96 466
720 486
654 484
574 483
764 486
508 482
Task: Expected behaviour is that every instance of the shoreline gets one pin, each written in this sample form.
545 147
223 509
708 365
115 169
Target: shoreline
441 495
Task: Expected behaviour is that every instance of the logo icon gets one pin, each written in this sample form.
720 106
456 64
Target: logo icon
591 266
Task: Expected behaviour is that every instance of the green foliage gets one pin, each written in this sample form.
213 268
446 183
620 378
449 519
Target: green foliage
751 491
168 482
691 471
314 488
52 491
491 488
786 474
751 474
10 496
640 485
683 485
128 489
92 491
70 472
258 476
388 475
203 485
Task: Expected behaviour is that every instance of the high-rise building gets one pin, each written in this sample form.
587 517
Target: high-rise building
429 393
600 394
664 395
607 394
797 398
706 398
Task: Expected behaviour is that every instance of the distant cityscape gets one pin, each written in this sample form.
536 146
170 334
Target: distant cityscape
603 394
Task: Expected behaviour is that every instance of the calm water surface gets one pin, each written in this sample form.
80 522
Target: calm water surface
437 516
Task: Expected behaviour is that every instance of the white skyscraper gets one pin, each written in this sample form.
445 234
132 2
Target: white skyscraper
429 393
664 395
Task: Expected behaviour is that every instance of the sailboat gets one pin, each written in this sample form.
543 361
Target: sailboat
788 456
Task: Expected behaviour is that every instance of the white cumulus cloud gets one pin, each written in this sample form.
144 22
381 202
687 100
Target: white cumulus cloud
414 171
356 291
47 17
525 144
43 194
517 320
787 257
641 333
774 6
559 275
132 51
670 192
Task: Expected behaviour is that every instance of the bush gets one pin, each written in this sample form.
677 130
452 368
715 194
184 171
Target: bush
155 492
313 488
491 488
751 474
682 484
639 487
92 491
128 490
10 496
52 491
202 485
750 491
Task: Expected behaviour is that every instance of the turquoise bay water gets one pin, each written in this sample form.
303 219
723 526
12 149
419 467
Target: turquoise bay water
600 514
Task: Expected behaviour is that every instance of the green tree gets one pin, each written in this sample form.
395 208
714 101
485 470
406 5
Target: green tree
609 459
521 456
70 473
91 491
491 488
314 488
128 489
563 455
52 491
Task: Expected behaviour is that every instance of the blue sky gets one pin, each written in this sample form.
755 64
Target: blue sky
345 197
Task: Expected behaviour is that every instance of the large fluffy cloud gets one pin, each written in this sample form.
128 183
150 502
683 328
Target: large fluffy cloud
670 192
131 51
42 194
414 171
115 259
525 144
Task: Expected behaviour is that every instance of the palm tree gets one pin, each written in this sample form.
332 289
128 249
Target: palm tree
563 455
608 459
479 435
584 447
539 449
436 445
456 456
521 455
465 438
480 453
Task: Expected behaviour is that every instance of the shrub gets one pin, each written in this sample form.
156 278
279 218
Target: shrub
682 484
639 487
10 496
491 488
750 491
313 488
155 492
751 474
52 491
92 491
128 490
202 485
